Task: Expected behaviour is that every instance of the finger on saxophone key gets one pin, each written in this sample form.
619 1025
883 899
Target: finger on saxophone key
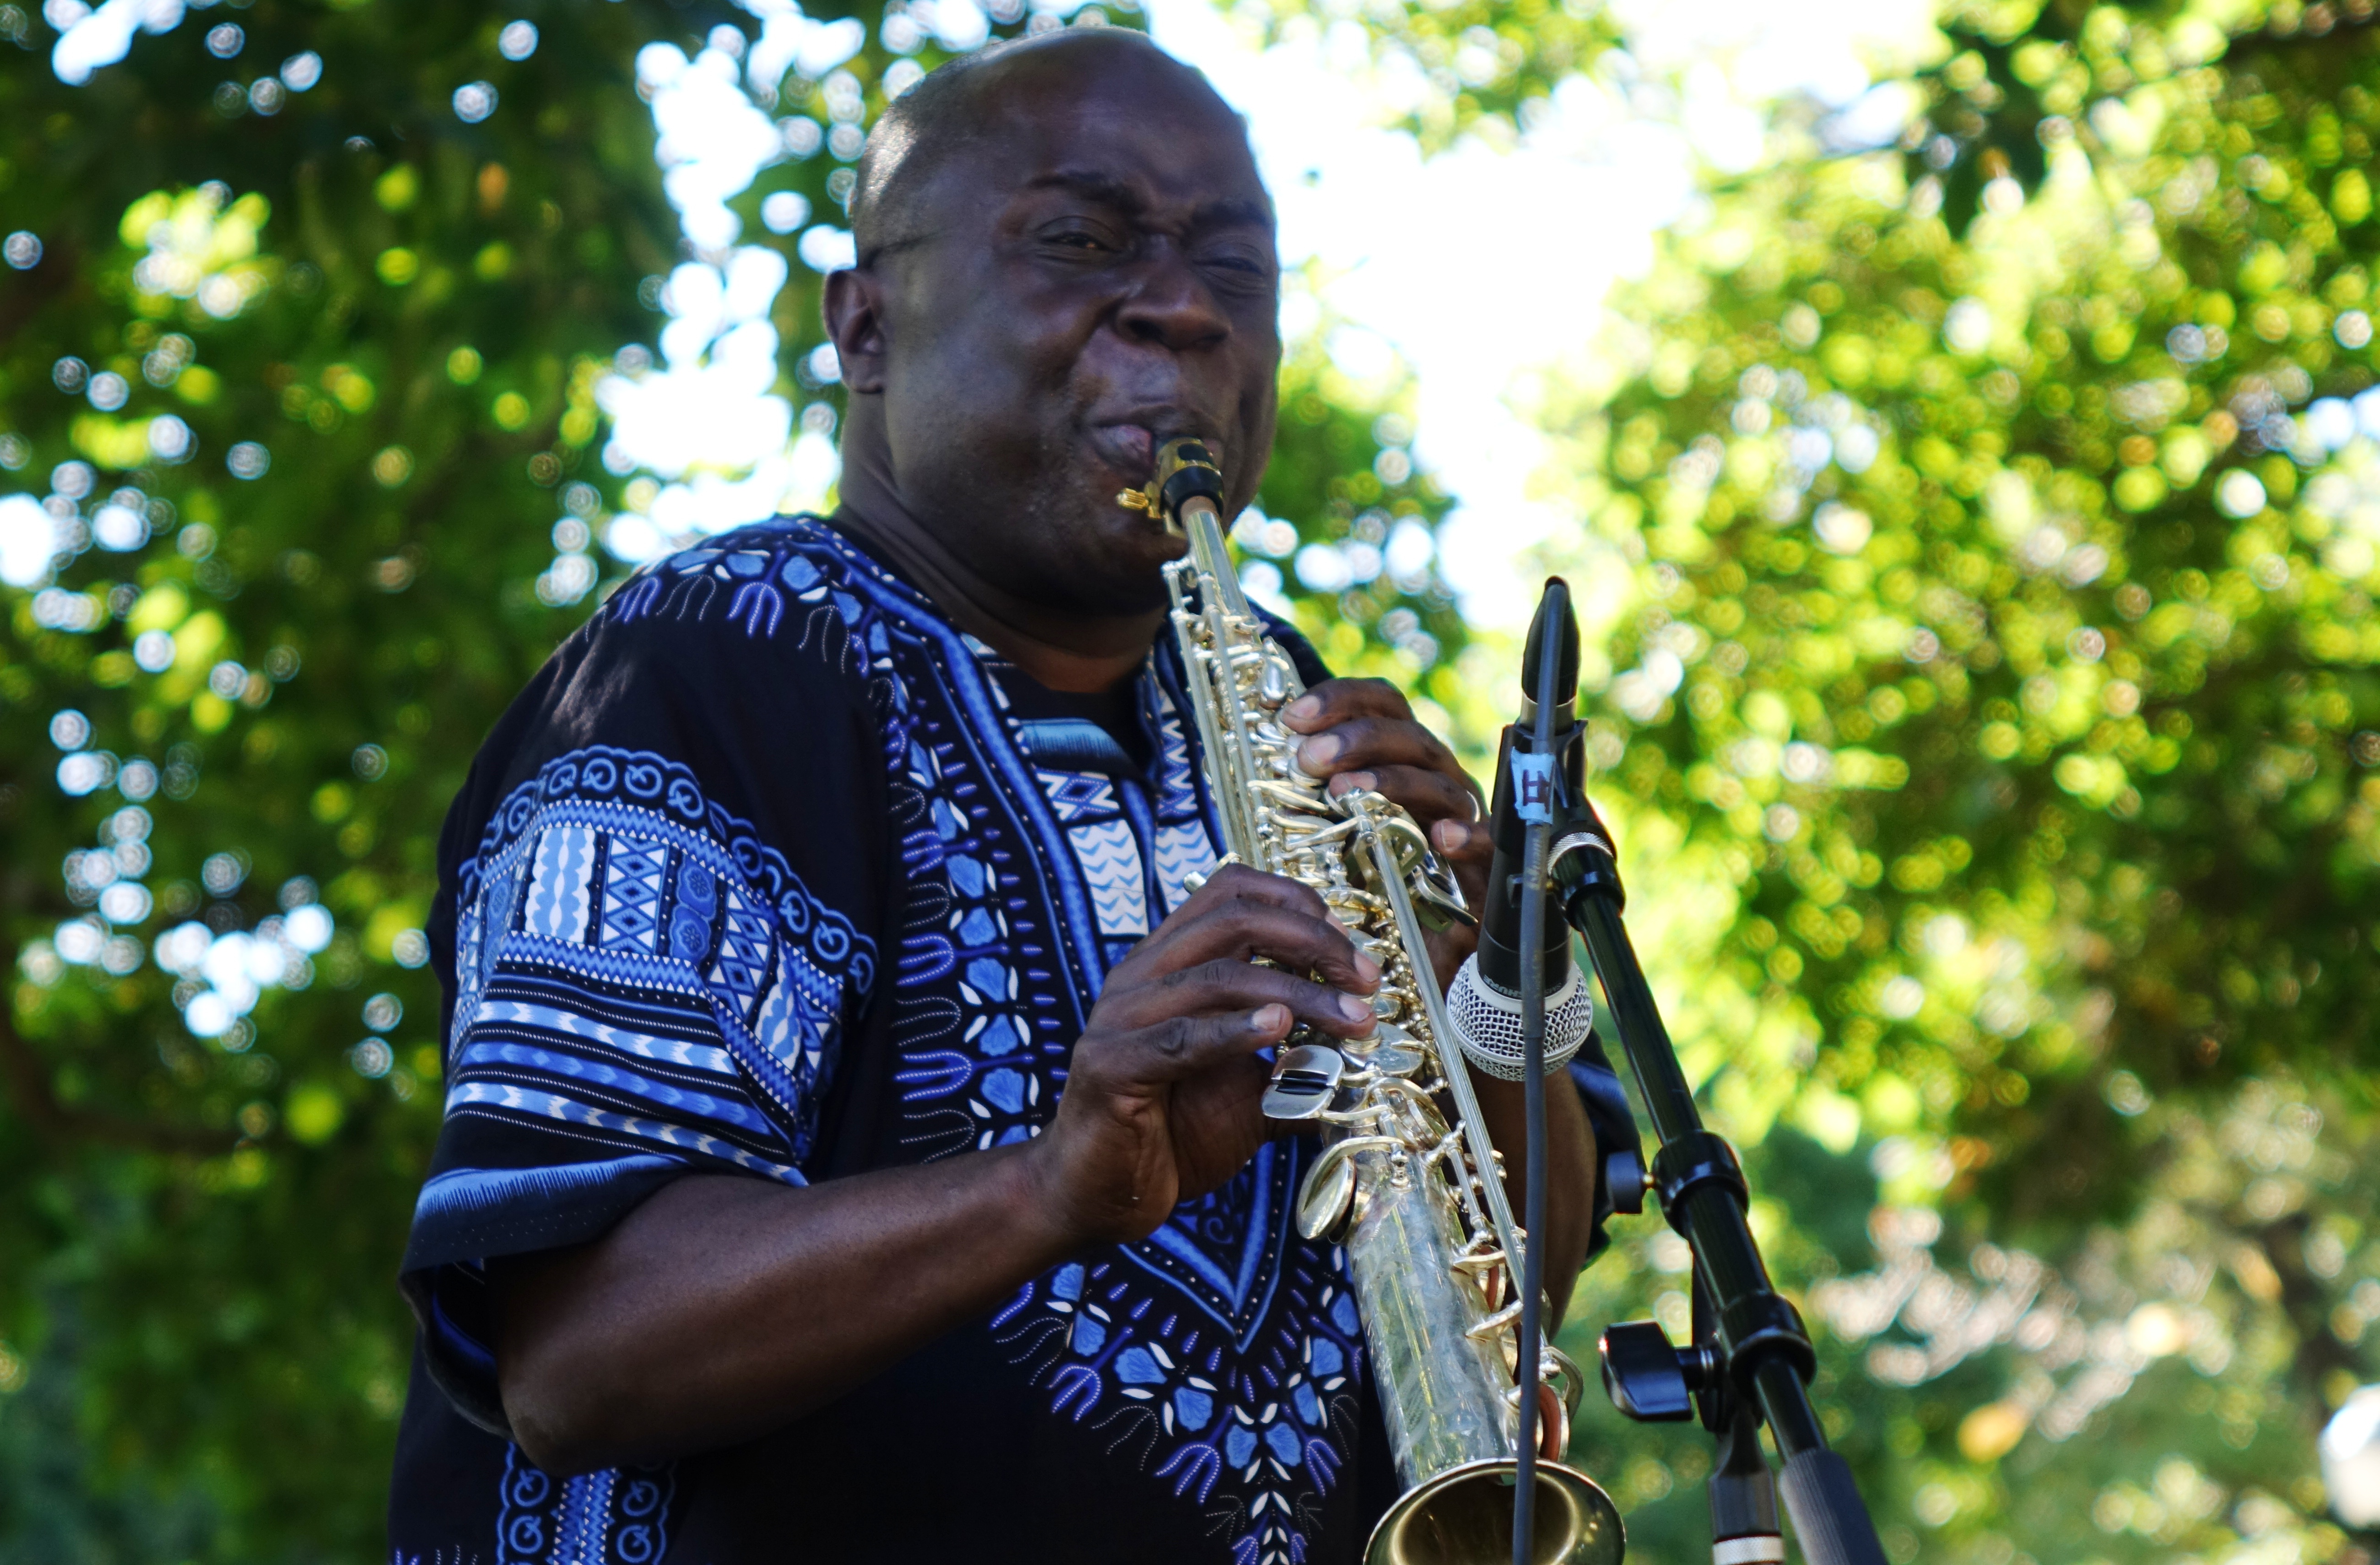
1314 757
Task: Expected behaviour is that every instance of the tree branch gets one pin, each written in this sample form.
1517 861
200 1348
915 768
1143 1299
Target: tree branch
56 273
2304 1300
2318 23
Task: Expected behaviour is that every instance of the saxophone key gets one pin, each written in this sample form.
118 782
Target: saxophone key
1304 1079
1393 1052
1330 1198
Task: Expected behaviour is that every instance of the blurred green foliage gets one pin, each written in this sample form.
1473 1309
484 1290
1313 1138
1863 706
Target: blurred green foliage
1474 67
404 311
1996 724
1340 468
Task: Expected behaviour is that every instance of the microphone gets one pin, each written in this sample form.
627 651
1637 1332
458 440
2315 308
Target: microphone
1484 1005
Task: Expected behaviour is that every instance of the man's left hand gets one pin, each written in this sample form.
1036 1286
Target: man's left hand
1362 734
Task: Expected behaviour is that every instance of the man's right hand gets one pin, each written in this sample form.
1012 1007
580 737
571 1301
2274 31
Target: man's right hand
1162 1100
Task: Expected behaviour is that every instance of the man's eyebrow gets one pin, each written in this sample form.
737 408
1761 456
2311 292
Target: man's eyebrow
1106 189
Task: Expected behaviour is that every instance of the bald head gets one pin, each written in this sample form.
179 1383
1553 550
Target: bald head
960 105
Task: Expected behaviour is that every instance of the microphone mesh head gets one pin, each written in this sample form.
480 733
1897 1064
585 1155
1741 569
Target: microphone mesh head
1487 1023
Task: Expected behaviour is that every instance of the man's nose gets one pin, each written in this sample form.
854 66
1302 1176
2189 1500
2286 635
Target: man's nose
1169 305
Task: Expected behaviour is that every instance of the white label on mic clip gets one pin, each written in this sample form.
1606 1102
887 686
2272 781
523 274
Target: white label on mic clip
1533 787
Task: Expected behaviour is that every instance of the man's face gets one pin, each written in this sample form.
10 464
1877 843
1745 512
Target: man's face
1096 275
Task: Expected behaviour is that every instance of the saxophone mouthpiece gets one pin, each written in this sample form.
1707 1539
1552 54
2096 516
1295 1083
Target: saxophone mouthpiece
1188 469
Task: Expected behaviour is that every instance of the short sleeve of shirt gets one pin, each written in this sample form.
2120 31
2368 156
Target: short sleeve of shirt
660 893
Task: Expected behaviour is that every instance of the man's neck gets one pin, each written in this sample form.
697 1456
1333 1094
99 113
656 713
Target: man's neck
1063 650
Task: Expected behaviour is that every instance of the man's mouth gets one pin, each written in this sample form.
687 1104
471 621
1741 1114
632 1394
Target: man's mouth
1130 449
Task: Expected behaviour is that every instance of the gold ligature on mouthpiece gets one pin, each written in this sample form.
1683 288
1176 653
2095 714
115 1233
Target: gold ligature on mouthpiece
1417 1202
1174 458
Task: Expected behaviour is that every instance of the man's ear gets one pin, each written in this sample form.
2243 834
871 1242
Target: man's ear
855 324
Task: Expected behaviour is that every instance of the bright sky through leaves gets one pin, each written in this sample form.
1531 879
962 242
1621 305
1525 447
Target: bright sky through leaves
1485 263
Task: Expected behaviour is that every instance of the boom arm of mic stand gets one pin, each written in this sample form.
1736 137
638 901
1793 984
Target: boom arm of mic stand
1766 1351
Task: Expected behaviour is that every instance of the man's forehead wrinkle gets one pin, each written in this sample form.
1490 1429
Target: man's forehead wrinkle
1098 183
1122 191
1226 212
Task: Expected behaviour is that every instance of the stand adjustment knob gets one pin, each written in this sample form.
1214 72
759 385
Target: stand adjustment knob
1624 1177
1648 1379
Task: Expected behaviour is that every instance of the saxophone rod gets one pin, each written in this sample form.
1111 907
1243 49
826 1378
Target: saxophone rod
1197 519
1456 1071
1202 523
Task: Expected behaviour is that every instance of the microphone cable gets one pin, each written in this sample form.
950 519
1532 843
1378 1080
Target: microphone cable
1535 871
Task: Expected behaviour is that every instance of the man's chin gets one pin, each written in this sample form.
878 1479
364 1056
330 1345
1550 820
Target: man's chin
1115 562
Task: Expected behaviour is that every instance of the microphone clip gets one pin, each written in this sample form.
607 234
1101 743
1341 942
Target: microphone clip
1583 860
1542 796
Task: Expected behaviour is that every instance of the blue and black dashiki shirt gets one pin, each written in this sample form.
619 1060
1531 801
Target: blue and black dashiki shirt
772 871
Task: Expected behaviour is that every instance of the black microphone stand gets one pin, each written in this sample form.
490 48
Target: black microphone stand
1752 1357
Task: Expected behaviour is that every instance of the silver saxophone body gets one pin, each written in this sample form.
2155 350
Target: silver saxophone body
1416 1199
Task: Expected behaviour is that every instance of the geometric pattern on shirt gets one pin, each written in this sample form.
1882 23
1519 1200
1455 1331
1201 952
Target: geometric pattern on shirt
1221 1358
1133 1373
632 895
1184 845
1129 844
1111 868
1272 1431
1182 778
985 1006
1079 796
619 1516
621 1068
666 792
1255 1438
610 874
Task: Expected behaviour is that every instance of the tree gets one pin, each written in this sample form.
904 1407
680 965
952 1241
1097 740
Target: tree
308 318
298 340
1995 726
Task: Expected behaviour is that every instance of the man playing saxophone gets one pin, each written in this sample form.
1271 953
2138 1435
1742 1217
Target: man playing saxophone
852 1148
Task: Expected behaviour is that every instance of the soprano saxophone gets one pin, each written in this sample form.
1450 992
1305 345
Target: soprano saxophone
1418 1203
